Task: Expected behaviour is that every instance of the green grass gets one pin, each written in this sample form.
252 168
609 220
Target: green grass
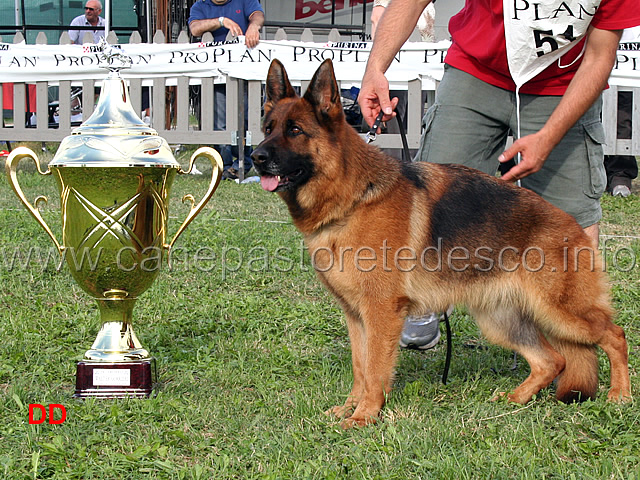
250 354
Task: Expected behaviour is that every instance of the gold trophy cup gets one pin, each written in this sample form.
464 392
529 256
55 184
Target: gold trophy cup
114 174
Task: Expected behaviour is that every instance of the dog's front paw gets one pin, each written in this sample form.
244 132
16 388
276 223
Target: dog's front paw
519 398
619 396
352 422
513 397
499 396
341 411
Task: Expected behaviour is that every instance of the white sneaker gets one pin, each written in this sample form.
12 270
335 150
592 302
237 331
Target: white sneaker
421 332
621 191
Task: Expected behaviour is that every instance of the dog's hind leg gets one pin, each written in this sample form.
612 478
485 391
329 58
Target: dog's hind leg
614 344
576 337
517 331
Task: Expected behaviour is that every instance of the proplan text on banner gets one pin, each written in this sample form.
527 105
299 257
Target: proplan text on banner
31 63
419 60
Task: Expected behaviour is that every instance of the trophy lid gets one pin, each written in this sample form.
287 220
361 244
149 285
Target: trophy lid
114 135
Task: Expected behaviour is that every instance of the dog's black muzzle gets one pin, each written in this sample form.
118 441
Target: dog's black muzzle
260 157
281 169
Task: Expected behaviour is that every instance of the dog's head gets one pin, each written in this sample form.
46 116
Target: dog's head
296 128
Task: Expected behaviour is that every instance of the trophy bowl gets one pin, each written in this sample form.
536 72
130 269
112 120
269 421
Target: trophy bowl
114 176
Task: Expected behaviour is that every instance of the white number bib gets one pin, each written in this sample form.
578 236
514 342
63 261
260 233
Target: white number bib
539 32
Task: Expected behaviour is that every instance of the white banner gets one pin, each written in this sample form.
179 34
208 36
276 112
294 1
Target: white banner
31 63
626 71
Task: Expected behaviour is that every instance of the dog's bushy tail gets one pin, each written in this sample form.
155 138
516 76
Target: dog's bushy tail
579 379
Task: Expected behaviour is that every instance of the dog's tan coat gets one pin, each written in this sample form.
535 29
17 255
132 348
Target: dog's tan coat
364 214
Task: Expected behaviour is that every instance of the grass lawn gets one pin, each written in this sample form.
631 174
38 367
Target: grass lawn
251 350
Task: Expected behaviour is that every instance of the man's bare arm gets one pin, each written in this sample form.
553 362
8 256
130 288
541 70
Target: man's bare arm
585 87
252 35
395 27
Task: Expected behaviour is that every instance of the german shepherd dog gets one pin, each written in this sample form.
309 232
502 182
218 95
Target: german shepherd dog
391 238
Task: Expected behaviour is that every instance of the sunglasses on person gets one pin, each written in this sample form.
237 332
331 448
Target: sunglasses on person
89 8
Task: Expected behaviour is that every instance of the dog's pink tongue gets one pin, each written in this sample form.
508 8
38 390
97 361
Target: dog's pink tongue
269 182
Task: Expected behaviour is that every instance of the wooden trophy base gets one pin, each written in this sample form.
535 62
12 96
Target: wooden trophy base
115 379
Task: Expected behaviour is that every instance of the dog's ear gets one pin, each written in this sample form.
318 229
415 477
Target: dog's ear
323 92
278 85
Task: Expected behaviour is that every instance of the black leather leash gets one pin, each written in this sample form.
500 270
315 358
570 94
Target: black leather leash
370 137
447 358
372 134
403 136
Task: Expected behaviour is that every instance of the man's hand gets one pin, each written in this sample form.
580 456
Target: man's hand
199 27
252 36
395 26
534 150
585 87
374 96
232 26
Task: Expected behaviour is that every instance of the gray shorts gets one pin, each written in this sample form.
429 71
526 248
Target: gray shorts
469 124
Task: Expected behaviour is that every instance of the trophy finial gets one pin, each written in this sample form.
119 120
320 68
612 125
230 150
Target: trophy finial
113 55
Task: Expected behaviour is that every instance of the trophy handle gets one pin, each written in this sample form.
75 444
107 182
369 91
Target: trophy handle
216 176
11 166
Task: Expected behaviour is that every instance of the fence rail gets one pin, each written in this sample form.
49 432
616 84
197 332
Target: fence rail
183 109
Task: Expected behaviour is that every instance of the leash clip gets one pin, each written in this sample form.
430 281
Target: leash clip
372 133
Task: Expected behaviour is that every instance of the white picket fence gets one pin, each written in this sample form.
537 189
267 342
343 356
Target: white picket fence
174 117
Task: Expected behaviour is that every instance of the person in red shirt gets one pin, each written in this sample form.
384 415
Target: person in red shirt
532 69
